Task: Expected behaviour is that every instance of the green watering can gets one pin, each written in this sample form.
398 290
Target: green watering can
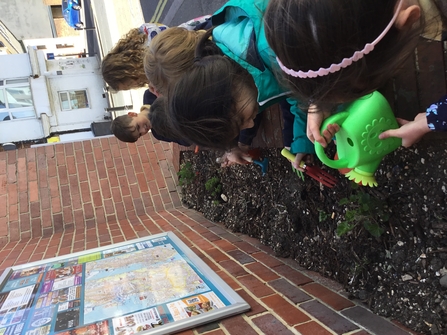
358 145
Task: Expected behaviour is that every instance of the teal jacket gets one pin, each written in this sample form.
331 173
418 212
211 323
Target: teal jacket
239 33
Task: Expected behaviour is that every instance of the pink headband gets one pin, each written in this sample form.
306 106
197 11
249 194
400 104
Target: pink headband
346 61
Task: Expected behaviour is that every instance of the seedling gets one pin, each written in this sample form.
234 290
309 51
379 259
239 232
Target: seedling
362 208
186 175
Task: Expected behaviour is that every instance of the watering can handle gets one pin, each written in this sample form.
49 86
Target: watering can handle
319 150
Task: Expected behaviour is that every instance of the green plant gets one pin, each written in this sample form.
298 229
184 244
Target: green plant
186 175
363 208
322 215
214 186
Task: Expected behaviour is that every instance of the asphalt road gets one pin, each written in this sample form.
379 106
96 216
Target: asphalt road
169 12
175 12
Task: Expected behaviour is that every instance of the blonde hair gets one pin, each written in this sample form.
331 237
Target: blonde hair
145 108
125 61
169 55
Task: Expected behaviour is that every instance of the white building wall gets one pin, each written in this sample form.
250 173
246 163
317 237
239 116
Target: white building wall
78 42
18 66
14 66
26 18
47 78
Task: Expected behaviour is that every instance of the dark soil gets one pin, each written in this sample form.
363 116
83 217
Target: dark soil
397 274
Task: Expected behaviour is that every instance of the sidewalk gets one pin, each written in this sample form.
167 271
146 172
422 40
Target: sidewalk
71 197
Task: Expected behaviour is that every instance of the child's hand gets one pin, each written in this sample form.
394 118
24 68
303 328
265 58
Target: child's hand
410 131
234 156
315 118
302 157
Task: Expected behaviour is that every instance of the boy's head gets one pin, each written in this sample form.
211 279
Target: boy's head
130 127
308 35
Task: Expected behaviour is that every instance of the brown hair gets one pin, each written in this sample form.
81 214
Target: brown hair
308 35
121 128
202 106
125 61
169 55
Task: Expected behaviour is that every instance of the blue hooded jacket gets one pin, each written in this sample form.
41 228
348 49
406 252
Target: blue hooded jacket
239 33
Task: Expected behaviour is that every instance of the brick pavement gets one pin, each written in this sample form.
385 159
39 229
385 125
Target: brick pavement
71 197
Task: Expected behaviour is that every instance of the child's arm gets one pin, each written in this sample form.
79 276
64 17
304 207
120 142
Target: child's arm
300 142
434 119
238 154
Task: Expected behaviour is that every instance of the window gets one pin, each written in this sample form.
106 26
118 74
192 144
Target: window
16 101
62 46
73 100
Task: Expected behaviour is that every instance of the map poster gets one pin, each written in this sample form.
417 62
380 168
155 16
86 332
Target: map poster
153 285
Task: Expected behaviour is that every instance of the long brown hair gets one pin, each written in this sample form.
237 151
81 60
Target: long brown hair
309 34
125 61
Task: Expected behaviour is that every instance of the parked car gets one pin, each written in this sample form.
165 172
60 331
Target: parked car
71 9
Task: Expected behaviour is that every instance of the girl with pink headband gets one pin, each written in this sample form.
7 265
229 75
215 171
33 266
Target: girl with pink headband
331 52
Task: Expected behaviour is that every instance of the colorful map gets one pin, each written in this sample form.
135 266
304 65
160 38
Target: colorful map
138 280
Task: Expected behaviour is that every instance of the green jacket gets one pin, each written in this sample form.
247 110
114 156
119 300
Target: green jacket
239 33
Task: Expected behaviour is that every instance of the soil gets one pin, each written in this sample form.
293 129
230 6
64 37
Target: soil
397 268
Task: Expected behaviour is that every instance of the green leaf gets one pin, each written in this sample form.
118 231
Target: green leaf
322 216
354 185
344 228
373 228
344 201
351 215
365 198
365 207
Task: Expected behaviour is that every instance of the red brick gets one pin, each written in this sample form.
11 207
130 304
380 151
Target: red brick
233 268
336 301
255 307
11 176
241 256
12 194
224 245
291 274
236 325
4 224
255 286
56 206
246 247
268 260
269 325
217 255
288 312
32 171
62 174
3 205
262 271
71 165
313 328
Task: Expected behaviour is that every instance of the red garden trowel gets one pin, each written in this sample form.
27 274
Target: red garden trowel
255 157
313 171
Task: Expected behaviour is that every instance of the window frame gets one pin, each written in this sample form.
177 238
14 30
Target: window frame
12 112
70 106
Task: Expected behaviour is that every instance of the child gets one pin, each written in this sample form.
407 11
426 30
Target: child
122 68
170 55
222 95
130 127
332 52
434 119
